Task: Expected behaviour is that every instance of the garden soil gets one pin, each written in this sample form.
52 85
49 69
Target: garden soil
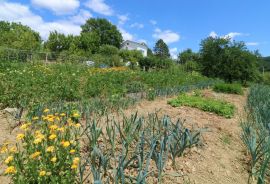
220 160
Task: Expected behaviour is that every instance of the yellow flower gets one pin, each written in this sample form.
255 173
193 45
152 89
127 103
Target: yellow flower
56 114
40 136
51 120
74 166
78 125
42 173
4 149
46 110
53 159
35 118
76 161
25 126
13 149
35 155
37 141
66 144
9 159
72 151
61 129
20 136
62 114
37 132
52 136
76 115
10 170
53 127
50 149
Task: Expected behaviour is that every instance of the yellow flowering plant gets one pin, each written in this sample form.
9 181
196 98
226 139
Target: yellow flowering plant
46 151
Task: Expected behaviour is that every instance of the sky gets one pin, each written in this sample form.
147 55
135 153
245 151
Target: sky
181 24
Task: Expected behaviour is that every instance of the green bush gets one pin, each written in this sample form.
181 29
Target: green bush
206 104
229 88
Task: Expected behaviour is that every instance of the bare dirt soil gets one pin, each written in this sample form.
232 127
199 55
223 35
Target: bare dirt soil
221 160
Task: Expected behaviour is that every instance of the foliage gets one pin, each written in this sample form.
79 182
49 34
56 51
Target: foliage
47 150
161 49
26 84
132 56
228 60
228 88
155 62
256 132
18 36
108 33
206 104
58 42
187 56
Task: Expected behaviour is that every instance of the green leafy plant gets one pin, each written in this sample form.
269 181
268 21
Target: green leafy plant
228 88
206 104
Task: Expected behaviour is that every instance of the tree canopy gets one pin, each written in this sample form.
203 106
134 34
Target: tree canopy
161 49
108 33
18 36
187 55
228 60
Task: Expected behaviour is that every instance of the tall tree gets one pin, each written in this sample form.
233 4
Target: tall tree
161 49
109 34
187 55
228 60
18 36
58 42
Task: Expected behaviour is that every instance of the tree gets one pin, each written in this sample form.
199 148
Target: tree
89 42
132 56
161 49
149 52
187 55
109 34
58 42
18 36
228 60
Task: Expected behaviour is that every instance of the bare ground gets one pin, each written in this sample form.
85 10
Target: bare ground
219 161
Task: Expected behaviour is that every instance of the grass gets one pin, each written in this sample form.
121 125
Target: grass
228 88
218 107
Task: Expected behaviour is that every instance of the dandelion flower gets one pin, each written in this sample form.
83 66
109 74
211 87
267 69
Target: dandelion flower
42 173
72 151
50 149
4 149
53 159
9 159
20 136
46 110
10 170
78 125
62 114
37 141
61 129
35 118
66 144
76 160
35 155
52 136
74 166
13 149
76 115
53 127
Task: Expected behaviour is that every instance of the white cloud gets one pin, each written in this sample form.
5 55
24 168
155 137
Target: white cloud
174 52
81 17
213 34
122 19
99 6
137 25
232 35
17 12
252 43
58 6
126 35
153 22
167 35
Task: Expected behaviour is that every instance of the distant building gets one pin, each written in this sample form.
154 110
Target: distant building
131 45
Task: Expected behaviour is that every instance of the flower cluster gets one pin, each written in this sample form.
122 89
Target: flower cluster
46 150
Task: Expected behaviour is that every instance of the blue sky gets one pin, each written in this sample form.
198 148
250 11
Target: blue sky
180 23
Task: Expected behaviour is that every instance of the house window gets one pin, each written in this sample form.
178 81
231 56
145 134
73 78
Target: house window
127 43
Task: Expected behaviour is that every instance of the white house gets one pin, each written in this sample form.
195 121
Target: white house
131 45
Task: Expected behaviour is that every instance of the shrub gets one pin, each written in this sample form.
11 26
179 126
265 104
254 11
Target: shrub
206 104
228 88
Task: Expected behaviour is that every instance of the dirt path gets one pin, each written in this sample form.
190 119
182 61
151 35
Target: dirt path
219 161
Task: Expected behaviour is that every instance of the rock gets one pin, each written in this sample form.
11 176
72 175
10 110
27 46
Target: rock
10 115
